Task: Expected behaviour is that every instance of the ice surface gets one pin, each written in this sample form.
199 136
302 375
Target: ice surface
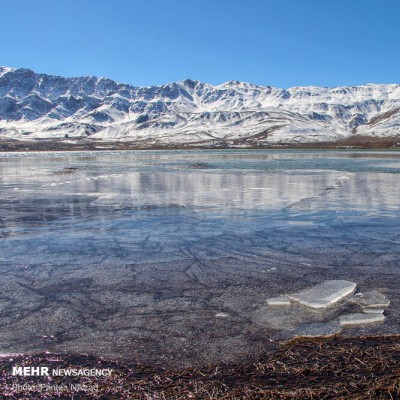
133 254
373 310
373 299
222 315
317 329
278 301
324 294
326 303
361 319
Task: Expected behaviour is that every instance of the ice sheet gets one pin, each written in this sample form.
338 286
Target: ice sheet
133 254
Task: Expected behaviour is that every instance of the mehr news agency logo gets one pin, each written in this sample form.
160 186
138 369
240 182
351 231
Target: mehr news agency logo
46 371
58 389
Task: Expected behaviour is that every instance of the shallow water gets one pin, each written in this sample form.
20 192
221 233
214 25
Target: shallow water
168 257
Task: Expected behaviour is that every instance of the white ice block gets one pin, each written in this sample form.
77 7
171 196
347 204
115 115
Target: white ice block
324 294
360 319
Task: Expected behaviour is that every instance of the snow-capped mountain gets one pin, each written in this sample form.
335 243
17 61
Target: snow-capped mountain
191 112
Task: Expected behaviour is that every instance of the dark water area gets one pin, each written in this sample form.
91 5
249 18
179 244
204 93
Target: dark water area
168 257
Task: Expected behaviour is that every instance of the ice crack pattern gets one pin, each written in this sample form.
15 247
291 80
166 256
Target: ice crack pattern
169 257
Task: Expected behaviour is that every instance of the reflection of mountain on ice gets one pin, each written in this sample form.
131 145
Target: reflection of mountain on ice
43 106
127 183
253 191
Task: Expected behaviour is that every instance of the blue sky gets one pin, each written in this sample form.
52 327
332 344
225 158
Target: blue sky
281 43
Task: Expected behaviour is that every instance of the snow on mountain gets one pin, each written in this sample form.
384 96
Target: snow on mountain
191 112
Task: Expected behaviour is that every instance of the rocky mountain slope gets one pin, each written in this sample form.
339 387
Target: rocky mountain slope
191 112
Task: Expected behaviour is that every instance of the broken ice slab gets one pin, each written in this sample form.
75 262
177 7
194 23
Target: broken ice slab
373 299
221 315
360 319
278 301
319 329
311 330
373 310
324 294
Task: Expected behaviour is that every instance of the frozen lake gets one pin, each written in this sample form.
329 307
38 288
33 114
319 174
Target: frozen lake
168 257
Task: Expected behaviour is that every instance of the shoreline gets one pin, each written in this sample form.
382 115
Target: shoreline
353 143
352 368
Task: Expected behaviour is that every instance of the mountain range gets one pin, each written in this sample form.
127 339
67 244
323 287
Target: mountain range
189 112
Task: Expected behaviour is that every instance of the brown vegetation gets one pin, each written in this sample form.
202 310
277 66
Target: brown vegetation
335 368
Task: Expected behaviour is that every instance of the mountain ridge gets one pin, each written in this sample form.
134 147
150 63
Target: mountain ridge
38 106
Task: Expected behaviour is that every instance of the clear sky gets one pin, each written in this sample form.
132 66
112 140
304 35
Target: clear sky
281 43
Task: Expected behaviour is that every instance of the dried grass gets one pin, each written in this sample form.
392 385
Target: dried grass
335 368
